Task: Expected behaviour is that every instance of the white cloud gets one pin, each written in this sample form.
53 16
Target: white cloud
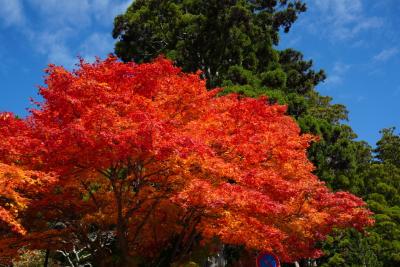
360 98
340 67
106 10
341 19
334 79
57 27
345 9
338 72
53 46
56 13
61 55
96 44
386 54
11 13
79 13
293 41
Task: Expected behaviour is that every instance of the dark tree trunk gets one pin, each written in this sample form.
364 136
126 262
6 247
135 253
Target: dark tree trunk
46 258
121 237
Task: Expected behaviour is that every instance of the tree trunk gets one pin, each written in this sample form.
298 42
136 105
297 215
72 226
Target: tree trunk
46 258
121 234
123 249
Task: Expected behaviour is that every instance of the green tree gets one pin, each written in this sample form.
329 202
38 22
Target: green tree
380 187
208 35
388 147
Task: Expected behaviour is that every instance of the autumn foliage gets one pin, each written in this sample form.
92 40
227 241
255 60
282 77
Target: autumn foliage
146 155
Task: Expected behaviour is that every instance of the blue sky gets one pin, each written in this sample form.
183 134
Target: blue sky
34 33
356 41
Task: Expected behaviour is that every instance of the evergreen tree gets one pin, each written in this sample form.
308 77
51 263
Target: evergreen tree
388 147
209 35
380 187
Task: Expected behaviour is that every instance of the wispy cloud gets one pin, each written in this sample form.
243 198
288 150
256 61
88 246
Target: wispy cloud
55 13
293 41
338 72
105 10
57 28
96 44
79 13
360 98
396 91
53 45
386 54
341 19
11 13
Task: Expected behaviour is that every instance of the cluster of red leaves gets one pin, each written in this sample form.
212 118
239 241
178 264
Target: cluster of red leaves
147 148
18 186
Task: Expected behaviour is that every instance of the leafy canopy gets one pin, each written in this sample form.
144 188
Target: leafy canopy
134 145
211 35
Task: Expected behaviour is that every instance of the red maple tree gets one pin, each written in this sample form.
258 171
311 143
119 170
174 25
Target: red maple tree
145 153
